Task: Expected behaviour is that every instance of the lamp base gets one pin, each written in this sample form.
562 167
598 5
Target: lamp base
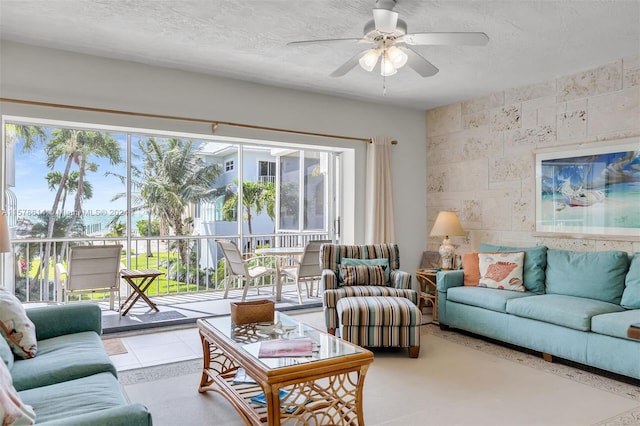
447 253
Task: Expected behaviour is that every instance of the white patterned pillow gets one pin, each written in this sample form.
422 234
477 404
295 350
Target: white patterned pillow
502 270
16 328
14 411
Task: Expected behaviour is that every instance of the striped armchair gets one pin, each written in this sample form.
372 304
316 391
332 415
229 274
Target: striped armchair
332 256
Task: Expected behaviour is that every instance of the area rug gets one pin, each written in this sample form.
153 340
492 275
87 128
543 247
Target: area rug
157 316
159 372
594 380
114 346
457 380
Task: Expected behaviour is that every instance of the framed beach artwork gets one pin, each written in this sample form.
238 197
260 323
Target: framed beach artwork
593 190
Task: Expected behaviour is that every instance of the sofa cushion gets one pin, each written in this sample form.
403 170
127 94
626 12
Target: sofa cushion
615 324
12 409
535 264
384 262
501 270
567 311
595 275
487 298
362 275
60 401
16 328
63 358
631 293
330 297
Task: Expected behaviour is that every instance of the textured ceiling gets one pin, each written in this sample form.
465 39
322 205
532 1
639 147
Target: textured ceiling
530 41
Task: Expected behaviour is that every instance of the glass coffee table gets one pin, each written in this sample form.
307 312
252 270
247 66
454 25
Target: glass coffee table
324 387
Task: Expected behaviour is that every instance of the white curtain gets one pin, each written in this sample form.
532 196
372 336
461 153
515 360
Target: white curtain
379 220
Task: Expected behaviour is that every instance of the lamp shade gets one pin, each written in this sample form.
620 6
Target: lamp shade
447 225
5 245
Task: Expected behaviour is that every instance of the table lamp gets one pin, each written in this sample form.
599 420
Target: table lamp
447 225
5 244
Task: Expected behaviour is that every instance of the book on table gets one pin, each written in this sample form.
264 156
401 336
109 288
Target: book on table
285 348
285 398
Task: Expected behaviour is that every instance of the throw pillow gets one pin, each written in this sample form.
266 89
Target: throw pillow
16 328
383 261
471 269
501 270
631 294
14 411
535 264
362 275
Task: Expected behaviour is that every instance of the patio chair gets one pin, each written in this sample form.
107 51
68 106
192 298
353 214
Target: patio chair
244 270
306 269
90 269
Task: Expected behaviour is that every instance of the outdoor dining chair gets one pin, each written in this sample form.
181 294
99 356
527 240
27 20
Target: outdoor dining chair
307 269
244 270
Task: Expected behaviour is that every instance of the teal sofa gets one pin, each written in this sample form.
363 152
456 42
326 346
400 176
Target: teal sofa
71 380
577 306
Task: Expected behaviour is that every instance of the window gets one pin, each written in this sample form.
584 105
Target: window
267 171
228 166
302 197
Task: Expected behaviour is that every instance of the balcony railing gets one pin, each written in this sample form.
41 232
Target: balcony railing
200 268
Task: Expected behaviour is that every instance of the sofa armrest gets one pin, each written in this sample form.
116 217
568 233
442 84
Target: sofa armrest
448 279
129 415
402 280
57 320
329 280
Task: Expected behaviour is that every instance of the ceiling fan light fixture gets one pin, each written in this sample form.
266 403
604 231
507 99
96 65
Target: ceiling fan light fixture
397 57
386 67
369 60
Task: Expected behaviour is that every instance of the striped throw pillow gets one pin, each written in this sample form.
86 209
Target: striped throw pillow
362 275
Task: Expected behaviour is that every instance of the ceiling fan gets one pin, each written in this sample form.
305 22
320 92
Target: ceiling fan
392 44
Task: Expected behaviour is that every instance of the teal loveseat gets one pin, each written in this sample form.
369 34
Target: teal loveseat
71 380
577 306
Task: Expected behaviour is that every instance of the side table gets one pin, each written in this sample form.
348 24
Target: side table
145 277
428 289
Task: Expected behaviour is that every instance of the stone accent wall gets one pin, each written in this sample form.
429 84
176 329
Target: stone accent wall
481 152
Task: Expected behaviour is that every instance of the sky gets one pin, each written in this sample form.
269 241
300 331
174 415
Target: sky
34 195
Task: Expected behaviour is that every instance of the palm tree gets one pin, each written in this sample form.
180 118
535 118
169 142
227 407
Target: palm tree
173 177
75 147
31 135
256 197
55 178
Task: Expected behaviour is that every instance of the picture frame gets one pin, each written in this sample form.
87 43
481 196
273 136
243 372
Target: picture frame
589 190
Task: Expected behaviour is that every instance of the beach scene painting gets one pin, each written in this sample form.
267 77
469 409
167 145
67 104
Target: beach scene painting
594 190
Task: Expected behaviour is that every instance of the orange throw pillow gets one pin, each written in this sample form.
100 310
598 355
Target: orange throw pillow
471 269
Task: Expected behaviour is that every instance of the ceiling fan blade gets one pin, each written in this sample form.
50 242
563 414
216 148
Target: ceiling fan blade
348 66
445 39
418 63
385 20
329 40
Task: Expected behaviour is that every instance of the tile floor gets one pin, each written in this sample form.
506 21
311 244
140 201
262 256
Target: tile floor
159 347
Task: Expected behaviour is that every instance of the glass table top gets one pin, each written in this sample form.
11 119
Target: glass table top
249 337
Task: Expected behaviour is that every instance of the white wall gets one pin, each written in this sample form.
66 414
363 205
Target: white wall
47 75
481 152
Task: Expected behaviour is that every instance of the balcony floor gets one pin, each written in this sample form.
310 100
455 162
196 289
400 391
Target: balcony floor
184 309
